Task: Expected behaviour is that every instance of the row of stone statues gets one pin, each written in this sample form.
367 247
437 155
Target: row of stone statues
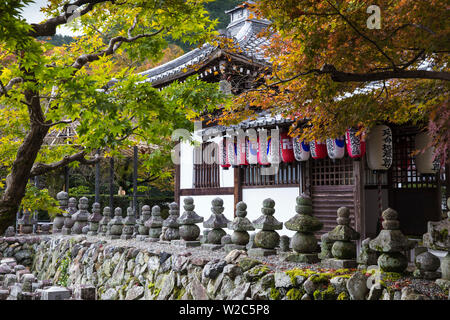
337 249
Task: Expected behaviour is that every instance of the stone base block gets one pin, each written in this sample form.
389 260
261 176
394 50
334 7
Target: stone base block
100 234
339 264
230 247
112 237
92 233
141 237
211 246
260 252
164 242
126 236
66 232
302 257
186 244
152 239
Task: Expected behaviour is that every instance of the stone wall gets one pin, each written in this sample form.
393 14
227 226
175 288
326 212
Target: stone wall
120 272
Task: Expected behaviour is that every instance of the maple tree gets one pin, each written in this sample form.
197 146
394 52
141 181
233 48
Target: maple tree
44 88
328 67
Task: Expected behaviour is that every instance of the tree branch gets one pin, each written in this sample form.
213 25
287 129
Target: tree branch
42 168
48 27
113 45
4 89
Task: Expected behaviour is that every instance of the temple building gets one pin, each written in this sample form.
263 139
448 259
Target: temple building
365 176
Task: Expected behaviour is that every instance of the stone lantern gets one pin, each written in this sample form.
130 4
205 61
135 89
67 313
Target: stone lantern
173 228
142 229
438 238
344 246
216 222
26 222
128 225
94 219
241 225
81 216
68 221
303 242
115 226
189 231
267 239
58 222
154 225
391 243
103 223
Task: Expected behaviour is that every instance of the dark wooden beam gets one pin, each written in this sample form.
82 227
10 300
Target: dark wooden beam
207 191
177 185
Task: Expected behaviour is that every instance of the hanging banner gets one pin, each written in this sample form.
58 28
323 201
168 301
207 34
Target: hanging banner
336 148
379 148
318 149
301 150
356 146
286 148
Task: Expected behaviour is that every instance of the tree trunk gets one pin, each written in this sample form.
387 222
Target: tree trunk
16 181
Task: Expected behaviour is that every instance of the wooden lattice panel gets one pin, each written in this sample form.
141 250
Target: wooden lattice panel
403 171
288 174
327 172
206 175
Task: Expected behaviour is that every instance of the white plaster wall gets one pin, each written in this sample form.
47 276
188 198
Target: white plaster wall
284 204
187 168
186 165
203 207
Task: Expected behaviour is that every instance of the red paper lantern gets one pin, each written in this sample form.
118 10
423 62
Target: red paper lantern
356 145
286 148
241 152
318 149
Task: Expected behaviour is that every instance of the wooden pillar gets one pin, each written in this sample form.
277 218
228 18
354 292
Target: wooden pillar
111 183
358 178
66 179
447 182
237 187
135 167
97 180
177 185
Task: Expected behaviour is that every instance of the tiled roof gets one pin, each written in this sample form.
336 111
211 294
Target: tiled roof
245 32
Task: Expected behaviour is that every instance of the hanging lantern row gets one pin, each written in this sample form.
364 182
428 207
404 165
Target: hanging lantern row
253 151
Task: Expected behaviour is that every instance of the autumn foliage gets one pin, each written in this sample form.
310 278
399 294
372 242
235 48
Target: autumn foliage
328 67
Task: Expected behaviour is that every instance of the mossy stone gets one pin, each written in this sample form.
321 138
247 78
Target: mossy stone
392 262
344 250
304 242
267 239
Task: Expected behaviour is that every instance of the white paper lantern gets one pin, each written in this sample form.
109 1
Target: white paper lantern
301 150
426 163
251 150
379 148
336 148
232 152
